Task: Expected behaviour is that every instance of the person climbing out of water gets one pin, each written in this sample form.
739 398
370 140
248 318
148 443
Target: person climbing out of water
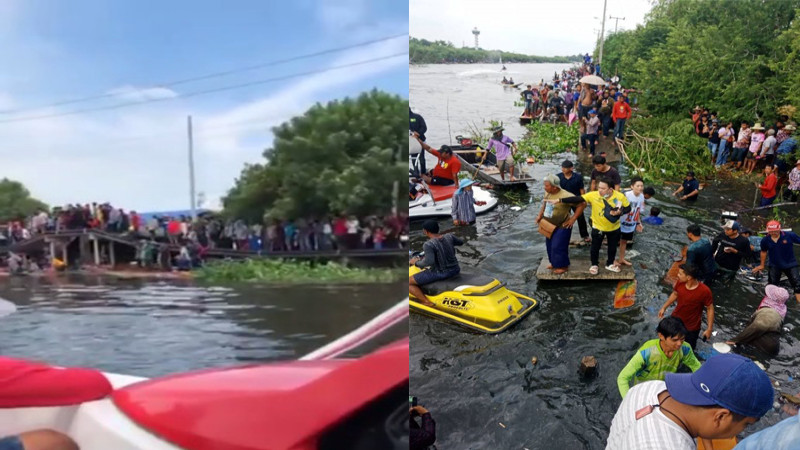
601 168
446 171
504 148
463 203
729 247
653 218
632 222
608 206
558 217
440 260
699 254
657 357
692 296
572 182
764 328
769 187
719 400
779 246
690 187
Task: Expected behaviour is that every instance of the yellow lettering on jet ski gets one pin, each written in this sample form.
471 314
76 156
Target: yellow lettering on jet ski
457 304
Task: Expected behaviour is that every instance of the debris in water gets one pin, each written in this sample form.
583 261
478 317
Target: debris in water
515 208
588 367
534 360
760 366
790 398
501 424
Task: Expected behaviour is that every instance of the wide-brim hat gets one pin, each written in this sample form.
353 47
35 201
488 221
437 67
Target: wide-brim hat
758 126
497 129
789 127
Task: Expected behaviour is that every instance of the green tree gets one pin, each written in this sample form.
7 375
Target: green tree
16 202
341 157
422 51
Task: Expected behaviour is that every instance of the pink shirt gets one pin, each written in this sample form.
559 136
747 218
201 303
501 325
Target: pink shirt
755 141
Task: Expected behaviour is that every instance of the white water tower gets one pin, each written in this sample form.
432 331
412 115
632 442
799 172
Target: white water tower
476 33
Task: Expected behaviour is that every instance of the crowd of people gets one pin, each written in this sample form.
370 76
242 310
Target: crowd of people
750 147
725 393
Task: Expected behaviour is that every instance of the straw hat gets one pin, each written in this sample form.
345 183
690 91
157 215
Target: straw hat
789 127
758 126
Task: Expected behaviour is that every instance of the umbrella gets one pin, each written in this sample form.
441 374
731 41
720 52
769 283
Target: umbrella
593 79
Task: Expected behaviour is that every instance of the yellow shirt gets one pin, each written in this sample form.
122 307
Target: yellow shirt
599 205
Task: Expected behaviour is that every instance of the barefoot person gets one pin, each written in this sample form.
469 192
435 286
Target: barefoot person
440 259
504 148
632 222
608 206
558 218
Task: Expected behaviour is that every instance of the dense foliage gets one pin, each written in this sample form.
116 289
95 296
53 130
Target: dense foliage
16 202
544 139
280 271
341 157
422 51
737 57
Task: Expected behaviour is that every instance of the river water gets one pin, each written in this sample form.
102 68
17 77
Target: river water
151 328
483 390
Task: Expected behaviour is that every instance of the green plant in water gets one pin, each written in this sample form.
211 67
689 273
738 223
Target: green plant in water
546 140
291 271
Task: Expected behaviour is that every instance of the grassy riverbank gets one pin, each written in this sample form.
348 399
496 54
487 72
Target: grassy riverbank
295 272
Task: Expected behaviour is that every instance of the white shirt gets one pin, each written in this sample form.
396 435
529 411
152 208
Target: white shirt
654 431
633 218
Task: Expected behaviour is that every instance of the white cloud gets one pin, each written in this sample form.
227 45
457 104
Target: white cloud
137 157
341 14
132 93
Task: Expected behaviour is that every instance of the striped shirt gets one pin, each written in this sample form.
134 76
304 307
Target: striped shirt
463 208
654 431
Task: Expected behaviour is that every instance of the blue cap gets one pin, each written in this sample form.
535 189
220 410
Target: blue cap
591 111
727 380
464 183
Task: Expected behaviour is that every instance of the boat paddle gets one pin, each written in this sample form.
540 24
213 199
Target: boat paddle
7 308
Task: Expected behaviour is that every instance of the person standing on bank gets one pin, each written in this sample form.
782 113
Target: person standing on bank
572 182
692 297
558 224
608 206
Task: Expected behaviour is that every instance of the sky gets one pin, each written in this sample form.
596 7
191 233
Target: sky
569 27
128 53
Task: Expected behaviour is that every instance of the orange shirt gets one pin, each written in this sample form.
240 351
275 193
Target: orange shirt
621 110
446 168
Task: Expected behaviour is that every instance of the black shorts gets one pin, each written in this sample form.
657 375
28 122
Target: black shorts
442 181
626 236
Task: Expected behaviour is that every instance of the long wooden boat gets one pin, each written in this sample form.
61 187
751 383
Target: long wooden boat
470 157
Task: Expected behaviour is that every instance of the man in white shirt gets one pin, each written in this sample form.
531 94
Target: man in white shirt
719 400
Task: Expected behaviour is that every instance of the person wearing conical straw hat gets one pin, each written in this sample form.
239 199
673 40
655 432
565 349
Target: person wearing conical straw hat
756 139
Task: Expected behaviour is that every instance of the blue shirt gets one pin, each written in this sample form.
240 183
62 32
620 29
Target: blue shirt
653 220
784 435
573 185
781 253
700 255
690 186
787 146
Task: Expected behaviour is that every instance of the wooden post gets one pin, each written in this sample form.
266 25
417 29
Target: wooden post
111 253
96 250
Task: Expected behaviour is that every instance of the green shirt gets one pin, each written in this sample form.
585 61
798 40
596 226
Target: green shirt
650 363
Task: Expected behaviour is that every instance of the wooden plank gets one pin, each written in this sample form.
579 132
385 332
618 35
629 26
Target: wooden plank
579 270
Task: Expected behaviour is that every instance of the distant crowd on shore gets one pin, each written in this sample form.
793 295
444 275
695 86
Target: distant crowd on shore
211 231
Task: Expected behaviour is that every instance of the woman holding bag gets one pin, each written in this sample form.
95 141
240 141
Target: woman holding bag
555 224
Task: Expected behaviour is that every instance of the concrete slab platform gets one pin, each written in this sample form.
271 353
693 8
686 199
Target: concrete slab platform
579 270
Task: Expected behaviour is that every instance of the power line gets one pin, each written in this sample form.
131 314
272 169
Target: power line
202 92
211 75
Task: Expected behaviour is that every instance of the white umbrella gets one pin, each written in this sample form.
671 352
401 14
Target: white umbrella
593 79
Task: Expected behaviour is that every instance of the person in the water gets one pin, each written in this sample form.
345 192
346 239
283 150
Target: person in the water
765 326
659 356
440 261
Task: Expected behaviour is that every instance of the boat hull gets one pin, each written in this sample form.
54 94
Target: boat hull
424 207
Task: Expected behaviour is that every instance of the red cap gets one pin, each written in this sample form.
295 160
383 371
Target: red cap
773 225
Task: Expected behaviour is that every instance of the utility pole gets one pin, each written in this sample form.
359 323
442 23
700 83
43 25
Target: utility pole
191 169
616 23
602 34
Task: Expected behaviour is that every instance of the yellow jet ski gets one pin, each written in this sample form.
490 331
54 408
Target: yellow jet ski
474 301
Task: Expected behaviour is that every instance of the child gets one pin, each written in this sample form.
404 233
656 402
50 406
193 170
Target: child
463 203
631 222
659 356
653 218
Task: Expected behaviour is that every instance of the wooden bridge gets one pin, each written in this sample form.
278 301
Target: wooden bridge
85 245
